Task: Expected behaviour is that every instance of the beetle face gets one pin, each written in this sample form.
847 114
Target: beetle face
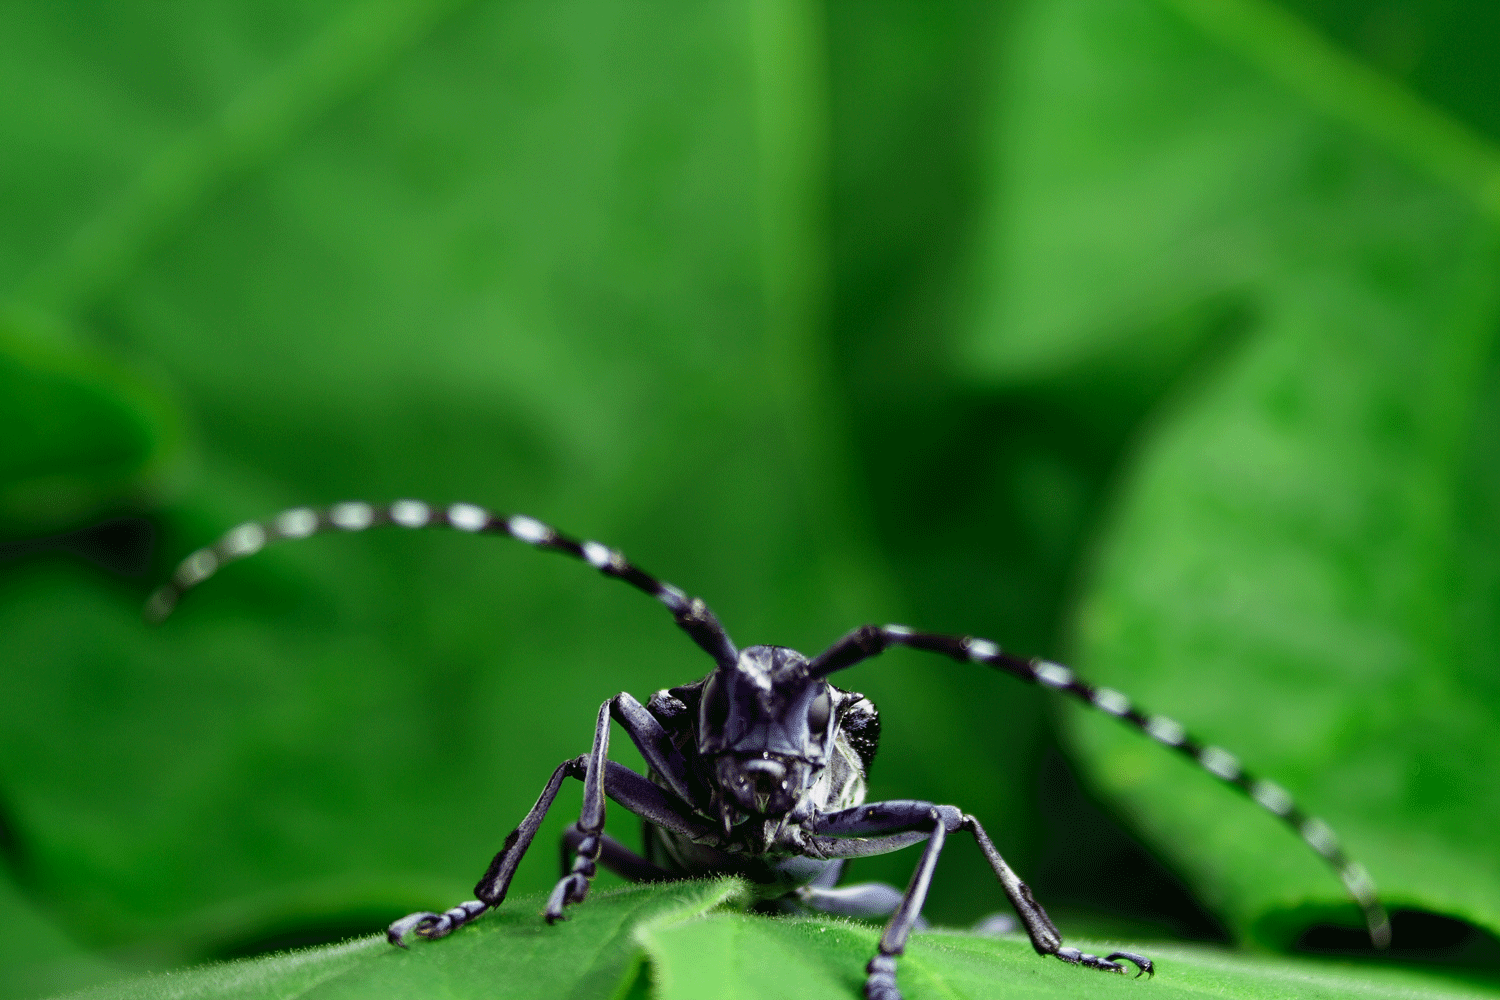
765 722
762 785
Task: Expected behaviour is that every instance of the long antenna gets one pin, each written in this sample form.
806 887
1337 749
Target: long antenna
244 540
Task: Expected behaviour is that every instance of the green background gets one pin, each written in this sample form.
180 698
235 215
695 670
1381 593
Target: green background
1153 336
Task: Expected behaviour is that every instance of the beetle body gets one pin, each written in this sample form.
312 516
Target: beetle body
761 788
759 769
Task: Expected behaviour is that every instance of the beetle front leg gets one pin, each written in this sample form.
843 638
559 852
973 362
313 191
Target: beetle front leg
880 972
493 886
1044 936
895 824
882 827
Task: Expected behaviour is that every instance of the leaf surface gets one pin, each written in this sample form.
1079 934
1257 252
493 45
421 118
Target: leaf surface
85 434
692 947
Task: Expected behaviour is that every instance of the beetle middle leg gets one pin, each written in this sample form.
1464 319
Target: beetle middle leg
901 823
862 900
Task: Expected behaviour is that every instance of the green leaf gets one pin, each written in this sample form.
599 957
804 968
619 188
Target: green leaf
37 957
84 434
1300 565
677 942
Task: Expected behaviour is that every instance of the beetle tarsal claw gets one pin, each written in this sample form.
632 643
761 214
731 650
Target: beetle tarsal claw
1142 963
397 932
571 889
434 925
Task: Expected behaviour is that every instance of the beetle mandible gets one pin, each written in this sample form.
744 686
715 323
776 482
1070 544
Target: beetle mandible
759 768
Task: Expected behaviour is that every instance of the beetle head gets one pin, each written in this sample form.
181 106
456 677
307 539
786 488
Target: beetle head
765 721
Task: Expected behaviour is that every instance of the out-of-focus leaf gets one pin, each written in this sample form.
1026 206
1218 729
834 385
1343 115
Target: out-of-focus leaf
82 433
1301 565
36 956
676 942
982 499
1442 52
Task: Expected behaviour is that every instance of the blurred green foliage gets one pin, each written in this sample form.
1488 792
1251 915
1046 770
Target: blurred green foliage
1150 335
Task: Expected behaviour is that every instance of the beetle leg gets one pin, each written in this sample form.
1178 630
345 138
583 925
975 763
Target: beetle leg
864 899
631 790
1044 935
900 823
653 742
897 824
880 973
496 882
860 900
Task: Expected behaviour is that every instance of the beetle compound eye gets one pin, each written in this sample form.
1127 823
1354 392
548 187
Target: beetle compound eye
818 712
715 712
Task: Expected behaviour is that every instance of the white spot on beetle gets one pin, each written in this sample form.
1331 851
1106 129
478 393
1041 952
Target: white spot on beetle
244 540
1272 796
352 516
411 513
528 529
599 556
897 631
1359 883
983 649
296 523
467 517
161 603
196 568
1165 730
1053 674
1111 701
1320 837
1220 762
